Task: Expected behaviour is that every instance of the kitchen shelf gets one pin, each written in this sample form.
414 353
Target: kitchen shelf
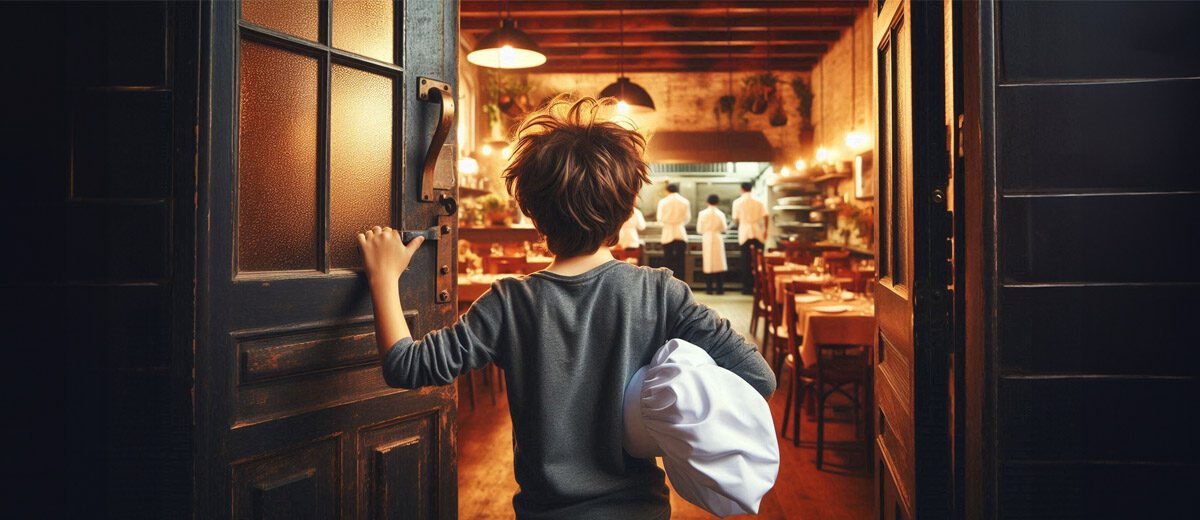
802 225
793 207
830 177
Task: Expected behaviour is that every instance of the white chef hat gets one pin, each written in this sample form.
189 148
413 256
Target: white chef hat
712 429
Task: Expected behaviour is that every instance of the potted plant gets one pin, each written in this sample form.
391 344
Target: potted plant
512 95
724 107
804 93
495 209
758 92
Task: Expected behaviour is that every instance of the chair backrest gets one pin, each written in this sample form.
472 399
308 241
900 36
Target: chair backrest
798 251
837 259
505 264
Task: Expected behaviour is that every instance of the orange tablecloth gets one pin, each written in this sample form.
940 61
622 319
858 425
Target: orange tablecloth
471 287
855 326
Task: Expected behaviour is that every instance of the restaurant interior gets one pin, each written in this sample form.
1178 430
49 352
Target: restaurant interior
776 96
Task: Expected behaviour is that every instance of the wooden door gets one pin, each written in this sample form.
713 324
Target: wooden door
315 131
912 299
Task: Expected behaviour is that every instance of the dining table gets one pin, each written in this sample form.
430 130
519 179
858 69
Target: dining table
844 320
472 286
789 274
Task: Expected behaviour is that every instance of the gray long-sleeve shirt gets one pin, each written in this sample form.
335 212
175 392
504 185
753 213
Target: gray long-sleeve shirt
568 345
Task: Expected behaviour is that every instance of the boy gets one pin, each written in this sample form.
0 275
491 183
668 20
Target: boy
569 337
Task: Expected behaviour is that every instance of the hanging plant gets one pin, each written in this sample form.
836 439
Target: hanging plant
804 93
723 109
512 95
778 116
758 92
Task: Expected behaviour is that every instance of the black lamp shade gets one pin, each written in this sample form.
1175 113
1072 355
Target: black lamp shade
631 93
507 48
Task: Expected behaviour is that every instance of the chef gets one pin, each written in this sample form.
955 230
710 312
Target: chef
674 212
712 225
751 218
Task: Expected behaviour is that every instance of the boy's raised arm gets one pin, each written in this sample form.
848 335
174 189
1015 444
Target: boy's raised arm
386 257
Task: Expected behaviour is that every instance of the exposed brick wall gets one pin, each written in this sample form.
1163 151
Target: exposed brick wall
685 101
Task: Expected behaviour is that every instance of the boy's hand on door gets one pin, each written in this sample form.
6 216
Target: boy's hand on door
385 256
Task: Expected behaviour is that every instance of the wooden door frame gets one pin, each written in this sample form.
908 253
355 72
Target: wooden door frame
934 301
977 272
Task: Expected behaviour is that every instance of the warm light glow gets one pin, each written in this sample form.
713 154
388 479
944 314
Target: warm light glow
857 141
823 155
507 152
785 171
801 165
623 108
506 57
468 166
485 150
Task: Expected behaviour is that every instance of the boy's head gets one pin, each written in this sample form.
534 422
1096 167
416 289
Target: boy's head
713 200
575 173
747 186
672 187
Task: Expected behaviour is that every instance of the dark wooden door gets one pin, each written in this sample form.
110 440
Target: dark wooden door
912 297
315 132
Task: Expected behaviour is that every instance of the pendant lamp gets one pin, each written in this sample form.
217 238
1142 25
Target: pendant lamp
507 47
631 97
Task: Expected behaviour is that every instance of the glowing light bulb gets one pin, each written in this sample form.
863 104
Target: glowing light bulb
507 152
623 108
507 55
801 165
486 149
823 155
785 171
857 141
468 166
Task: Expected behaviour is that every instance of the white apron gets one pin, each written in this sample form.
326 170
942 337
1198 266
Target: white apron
711 225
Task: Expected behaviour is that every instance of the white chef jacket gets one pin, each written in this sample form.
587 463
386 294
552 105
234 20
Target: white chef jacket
674 212
712 225
713 431
750 215
629 230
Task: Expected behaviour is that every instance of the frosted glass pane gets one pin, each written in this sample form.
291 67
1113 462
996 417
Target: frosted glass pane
295 17
364 27
360 159
277 160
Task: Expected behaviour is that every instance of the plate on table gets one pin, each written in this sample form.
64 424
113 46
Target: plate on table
832 309
808 298
847 296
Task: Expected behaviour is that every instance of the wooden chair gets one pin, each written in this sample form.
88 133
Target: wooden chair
759 308
843 366
798 251
835 260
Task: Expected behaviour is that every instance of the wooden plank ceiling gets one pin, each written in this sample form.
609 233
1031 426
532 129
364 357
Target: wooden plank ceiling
671 35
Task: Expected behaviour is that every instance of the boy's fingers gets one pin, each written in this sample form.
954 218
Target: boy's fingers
362 239
377 229
414 245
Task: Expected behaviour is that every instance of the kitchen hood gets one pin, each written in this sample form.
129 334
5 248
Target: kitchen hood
673 147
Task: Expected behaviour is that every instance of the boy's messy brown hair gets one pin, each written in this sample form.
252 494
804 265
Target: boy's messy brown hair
576 172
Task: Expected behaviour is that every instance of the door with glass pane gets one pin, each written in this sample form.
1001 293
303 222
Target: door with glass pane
913 300
315 132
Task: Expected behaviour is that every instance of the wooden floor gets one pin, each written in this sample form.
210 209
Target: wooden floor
842 490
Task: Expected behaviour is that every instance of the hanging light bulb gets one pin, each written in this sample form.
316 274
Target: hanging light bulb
507 48
823 155
801 165
485 150
468 166
633 95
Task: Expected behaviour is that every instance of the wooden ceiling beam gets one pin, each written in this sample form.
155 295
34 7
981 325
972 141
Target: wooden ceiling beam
684 51
706 38
661 23
543 9
676 65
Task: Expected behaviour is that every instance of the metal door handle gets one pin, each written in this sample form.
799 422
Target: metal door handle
433 91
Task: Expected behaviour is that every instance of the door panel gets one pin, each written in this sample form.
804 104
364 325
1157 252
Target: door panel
912 298
311 143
